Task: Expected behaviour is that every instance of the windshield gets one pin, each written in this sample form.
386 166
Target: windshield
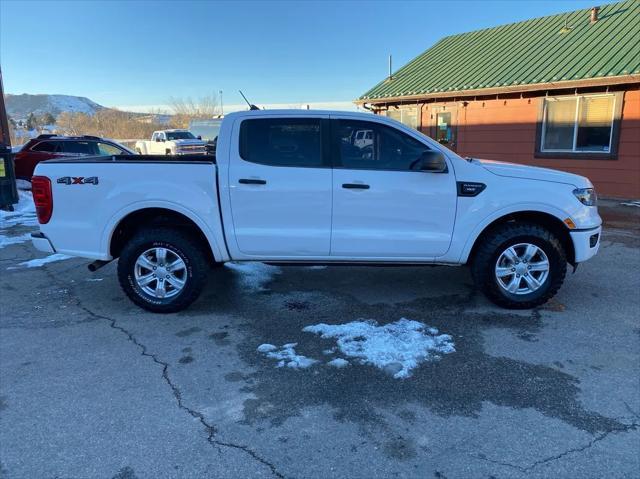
207 129
180 135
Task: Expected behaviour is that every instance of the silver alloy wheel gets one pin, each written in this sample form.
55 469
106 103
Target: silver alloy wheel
160 273
522 268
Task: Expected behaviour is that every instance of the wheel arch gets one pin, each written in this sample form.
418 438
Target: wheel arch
550 221
158 216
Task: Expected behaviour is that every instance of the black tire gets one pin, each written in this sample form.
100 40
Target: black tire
178 243
498 240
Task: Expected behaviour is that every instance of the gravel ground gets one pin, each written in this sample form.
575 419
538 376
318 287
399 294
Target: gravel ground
93 387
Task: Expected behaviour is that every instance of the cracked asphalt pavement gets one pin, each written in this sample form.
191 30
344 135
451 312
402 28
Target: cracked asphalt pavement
93 387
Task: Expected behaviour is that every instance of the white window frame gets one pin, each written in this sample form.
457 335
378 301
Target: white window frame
579 99
404 109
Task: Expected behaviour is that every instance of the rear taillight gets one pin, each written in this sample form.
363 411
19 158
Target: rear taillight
42 197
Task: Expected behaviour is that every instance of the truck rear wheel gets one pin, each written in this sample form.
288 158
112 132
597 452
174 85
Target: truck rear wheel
162 270
519 266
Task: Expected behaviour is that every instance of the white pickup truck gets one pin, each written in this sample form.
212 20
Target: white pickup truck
171 142
298 187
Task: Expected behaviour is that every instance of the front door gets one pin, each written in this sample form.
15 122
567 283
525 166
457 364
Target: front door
444 125
280 188
383 207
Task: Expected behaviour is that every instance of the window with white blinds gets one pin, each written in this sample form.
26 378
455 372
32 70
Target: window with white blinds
581 124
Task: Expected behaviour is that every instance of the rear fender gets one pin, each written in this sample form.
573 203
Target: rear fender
214 238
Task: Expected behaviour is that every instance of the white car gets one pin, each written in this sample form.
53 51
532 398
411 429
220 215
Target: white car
291 187
171 142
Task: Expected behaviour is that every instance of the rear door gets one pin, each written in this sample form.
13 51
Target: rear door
280 187
383 205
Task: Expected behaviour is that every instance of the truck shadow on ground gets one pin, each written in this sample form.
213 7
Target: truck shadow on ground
456 385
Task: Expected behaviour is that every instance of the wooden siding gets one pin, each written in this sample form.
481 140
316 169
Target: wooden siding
505 130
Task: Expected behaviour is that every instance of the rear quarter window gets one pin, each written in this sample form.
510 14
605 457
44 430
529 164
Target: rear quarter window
45 146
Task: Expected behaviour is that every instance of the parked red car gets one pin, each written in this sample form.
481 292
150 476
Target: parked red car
47 147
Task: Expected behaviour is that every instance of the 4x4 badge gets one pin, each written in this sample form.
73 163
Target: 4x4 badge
78 180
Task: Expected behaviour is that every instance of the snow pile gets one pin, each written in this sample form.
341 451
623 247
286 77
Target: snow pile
24 213
397 348
254 275
631 203
38 262
286 356
9 240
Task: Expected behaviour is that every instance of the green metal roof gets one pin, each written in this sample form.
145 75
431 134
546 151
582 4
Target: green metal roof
539 50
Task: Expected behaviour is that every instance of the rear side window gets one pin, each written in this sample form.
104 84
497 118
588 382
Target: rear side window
282 142
45 146
79 147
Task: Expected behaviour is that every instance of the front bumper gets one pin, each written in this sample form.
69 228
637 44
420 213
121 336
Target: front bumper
42 243
586 243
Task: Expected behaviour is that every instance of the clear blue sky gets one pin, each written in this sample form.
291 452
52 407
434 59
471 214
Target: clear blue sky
142 53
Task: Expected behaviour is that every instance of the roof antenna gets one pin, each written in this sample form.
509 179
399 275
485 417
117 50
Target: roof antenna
251 105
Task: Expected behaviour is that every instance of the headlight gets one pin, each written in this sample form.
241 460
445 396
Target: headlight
586 196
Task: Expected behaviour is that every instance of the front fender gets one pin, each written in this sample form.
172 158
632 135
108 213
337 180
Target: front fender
479 227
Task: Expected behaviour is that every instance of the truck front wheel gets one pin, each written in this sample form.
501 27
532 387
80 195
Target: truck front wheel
519 266
162 270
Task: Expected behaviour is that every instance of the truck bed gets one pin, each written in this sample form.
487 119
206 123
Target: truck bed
211 159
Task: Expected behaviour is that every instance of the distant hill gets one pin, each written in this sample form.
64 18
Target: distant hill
19 106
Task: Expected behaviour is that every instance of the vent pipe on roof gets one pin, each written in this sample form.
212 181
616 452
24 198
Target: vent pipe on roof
390 77
594 14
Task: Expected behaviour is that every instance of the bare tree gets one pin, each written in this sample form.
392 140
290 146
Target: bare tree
109 123
186 109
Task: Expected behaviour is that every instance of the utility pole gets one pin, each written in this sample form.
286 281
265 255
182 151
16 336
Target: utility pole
221 104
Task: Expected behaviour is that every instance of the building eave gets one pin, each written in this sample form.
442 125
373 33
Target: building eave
547 86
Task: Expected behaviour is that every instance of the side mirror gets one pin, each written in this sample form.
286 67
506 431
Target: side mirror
158 140
199 137
433 162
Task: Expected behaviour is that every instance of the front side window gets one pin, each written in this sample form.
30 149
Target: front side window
107 150
368 145
282 142
578 124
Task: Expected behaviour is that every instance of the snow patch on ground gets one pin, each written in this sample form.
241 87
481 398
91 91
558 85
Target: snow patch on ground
286 356
38 262
9 240
254 276
24 213
397 348
338 363
631 203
